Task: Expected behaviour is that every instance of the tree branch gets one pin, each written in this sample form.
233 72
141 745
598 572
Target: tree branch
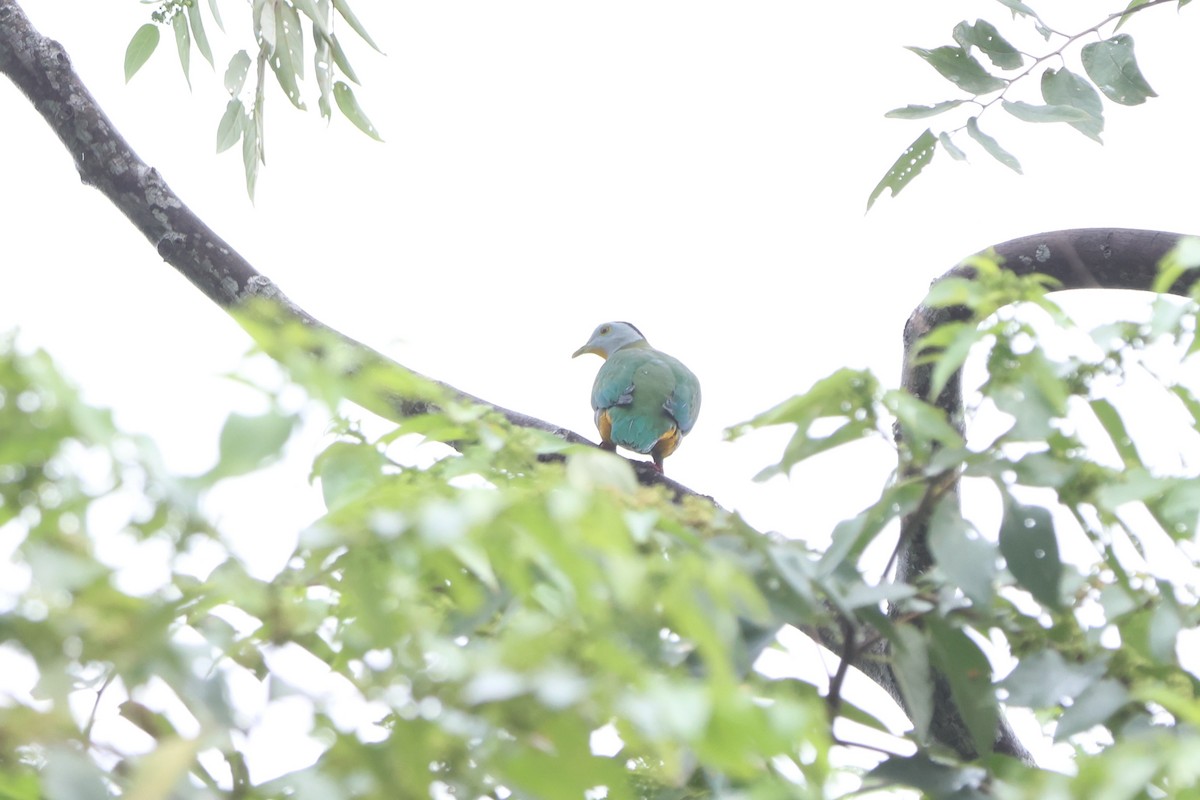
40 67
42 70
1086 258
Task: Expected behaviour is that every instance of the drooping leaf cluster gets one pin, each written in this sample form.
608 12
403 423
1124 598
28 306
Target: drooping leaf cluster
280 29
983 64
492 621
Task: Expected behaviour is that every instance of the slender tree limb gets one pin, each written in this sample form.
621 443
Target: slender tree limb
42 70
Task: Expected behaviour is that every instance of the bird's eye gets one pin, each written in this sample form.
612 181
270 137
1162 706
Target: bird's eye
605 330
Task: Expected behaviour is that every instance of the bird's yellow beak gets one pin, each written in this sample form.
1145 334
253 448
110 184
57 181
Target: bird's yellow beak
589 348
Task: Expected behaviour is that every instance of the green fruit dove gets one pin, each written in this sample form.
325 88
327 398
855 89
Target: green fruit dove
645 400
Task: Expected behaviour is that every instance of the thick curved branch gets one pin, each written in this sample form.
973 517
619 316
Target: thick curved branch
1083 258
42 70
1088 258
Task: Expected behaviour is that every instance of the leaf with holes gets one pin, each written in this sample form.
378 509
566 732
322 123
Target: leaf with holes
235 73
1112 67
343 95
984 35
1030 549
908 166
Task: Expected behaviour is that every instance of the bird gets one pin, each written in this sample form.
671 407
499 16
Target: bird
645 400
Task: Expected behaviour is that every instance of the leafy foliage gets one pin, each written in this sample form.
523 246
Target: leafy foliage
280 29
492 621
1108 64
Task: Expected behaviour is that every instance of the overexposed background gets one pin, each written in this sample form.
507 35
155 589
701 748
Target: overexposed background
698 168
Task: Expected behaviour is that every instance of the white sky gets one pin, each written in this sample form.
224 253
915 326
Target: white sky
697 168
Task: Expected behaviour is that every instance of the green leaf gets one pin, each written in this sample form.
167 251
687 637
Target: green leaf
70 774
961 69
339 58
846 395
1030 549
948 345
343 8
951 148
216 12
1164 628
183 44
248 442
235 73
229 130
921 112
1045 679
984 35
1114 426
348 104
197 23
323 70
265 29
140 48
293 37
992 146
968 560
158 772
1065 88
310 10
286 58
937 780
908 166
1129 9
1028 112
1190 402
923 425
910 662
1018 8
1098 702
1112 67
347 472
851 536
1184 257
970 675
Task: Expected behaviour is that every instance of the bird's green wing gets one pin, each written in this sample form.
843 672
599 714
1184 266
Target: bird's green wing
614 382
632 388
684 401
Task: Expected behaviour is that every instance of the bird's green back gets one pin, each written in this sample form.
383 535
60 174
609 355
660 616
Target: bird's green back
646 394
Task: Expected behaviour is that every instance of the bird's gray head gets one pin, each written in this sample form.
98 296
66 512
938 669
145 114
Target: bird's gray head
610 337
